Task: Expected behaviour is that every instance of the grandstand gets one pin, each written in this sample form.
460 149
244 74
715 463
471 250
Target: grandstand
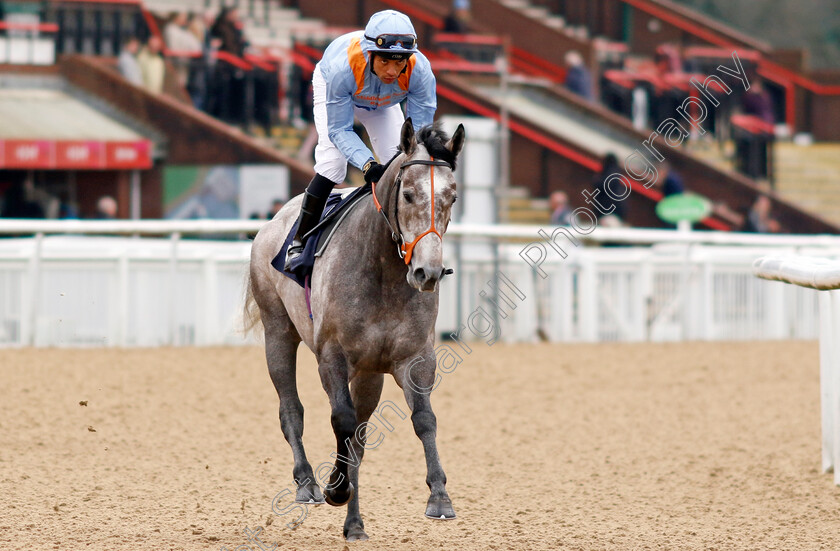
499 69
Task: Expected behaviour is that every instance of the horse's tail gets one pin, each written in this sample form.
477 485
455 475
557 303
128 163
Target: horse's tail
251 319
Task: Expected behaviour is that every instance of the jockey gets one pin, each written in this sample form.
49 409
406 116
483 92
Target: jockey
366 75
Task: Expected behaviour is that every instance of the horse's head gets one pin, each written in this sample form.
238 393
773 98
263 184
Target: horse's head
419 201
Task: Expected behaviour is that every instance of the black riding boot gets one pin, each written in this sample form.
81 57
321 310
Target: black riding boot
314 199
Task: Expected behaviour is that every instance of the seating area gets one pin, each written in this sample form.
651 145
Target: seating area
643 55
249 64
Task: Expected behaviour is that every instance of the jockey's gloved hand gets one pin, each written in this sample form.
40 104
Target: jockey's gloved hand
373 171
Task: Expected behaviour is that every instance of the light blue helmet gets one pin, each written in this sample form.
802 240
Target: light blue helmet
391 34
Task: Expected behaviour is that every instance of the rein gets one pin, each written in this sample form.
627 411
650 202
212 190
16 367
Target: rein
404 249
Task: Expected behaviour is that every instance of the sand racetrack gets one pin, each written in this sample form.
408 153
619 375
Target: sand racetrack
683 446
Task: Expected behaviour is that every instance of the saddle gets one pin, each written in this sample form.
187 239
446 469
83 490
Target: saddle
338 206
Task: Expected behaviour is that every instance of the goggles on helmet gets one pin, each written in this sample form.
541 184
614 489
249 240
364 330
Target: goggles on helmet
388 41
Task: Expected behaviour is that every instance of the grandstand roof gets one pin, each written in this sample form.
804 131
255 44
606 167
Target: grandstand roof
47 128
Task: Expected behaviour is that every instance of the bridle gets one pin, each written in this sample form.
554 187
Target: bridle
404 249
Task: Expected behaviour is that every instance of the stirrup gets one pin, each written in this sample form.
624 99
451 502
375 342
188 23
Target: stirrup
310 214
295 250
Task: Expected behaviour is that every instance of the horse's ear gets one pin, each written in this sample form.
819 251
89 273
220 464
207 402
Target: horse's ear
407 141
457 141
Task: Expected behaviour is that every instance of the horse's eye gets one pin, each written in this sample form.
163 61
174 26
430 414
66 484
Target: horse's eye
454 198
407 196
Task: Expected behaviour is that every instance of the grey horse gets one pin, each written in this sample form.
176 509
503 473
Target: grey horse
374 307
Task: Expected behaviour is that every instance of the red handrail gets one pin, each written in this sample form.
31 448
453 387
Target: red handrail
137 2
752 124
415 13
41 27
237 62
528 57
306 49
302 61
288 56
448 61
681 23
259 61
463 66
151 23
528 69
192 54
723 53
481 39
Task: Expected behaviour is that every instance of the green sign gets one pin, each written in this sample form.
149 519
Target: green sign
684 206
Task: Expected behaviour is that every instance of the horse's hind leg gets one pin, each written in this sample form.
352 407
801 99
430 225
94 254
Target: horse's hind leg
281 343
417 378
365 391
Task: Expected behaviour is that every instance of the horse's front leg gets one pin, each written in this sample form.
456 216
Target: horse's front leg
416 376
332 367
365 391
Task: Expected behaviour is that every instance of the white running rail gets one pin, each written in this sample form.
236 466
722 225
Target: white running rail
99 283
822 275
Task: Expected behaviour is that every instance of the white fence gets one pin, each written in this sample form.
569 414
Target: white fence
823 275
77 290
107 291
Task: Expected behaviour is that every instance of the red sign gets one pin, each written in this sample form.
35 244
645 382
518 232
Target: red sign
27 154
128 155
68 155
79 155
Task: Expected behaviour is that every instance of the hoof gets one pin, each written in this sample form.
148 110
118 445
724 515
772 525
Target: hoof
309 494
339 498
440 509
355 533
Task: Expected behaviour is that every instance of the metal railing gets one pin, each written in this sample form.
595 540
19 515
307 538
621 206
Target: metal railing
150 283
822 275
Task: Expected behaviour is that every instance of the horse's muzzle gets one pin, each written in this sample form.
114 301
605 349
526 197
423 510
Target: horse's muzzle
425 279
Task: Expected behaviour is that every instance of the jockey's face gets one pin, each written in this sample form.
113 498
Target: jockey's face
388 70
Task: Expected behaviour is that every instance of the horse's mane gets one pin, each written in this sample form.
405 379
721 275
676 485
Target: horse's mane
434 139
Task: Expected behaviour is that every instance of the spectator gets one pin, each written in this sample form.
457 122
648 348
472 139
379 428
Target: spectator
183 43
305 101
669 181
202 73
178 37
276 205
201 26
757 102
16 203
229 82
106 208
127 62
458 20
228 29
67 211
667 59
198 27
615 210
152 65
578 78
561 213
758 218
453 23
